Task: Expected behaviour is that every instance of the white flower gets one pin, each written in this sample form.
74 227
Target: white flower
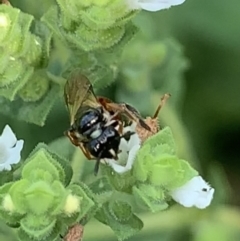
152 5
128 152
195 192
10 149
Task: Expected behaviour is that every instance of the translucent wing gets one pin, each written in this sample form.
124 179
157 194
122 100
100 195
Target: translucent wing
78 92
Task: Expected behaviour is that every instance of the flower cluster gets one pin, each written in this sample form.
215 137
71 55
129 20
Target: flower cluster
42 202
183 183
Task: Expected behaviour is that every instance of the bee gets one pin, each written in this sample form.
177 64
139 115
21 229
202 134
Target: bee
96 123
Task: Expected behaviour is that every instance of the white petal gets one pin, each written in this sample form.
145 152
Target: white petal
15 153
134 140
132 156
196 193
205 199
176 2
184 198
8 136
153 5
132 128
10 149
116 167
123 145
122 157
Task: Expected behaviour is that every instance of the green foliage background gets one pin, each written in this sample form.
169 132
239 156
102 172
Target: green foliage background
203 111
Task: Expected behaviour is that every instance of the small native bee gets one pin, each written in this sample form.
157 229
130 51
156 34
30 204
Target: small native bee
96 123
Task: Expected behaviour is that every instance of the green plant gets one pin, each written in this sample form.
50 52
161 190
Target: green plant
40 196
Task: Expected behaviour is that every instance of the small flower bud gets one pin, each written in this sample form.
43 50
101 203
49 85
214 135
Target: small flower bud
8 203
72 204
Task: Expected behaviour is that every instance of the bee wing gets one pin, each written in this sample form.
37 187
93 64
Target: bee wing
78 92
136 113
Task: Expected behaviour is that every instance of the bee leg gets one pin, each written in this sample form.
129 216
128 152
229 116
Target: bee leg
96 167
74 141
85 151
162 103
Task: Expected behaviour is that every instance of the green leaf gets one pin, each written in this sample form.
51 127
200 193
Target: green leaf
45 34
63 165
187 173
94 208
60 194
115 13
130 31
38 227
90 40
40 160
163 137
165 171
31 112
19 74
50 18
39 197
121 182
53 235
148 197
17 194
143 163
120 210
4 188
11 219
101 185
5 177
36 87
122 230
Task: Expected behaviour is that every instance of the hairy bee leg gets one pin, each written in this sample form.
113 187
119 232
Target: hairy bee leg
120 127
162 103
85 151
75 142
89 157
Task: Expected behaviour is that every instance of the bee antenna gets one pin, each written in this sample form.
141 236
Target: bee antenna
162 103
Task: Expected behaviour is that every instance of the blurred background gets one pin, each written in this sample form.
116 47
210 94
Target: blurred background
191 51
